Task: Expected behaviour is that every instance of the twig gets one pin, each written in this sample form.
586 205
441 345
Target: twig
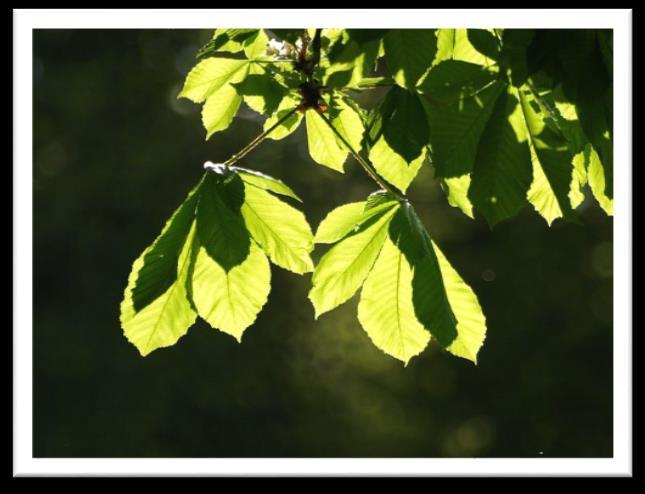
255 142
361 161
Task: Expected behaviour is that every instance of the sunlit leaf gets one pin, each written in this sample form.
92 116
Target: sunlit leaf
339 222
281 230
342 270
265 182
456 189
288 126
211 74
398 134
385 309
220 109
230 300
551 161
161 322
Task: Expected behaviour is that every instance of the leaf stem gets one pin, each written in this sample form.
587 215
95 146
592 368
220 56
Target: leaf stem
361 161
255 142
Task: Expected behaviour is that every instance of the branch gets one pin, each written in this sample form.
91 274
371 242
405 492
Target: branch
255 142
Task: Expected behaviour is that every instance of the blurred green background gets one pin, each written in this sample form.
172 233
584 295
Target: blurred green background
115 152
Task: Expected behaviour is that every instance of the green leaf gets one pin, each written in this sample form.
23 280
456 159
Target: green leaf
471 323
456 189
452 81
454 44
230 300
220 109
551 160
210 75
484 42
166 318
429 296
288 103
409 53
578 179
324 147
232 40
398 134
261 92
456 127
158 270
386 311
596 178
220 227
339 223
281 230
442 301
265 182
347 122
342 270
502 173
351 57
256 44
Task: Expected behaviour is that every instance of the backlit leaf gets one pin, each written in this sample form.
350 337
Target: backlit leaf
281 230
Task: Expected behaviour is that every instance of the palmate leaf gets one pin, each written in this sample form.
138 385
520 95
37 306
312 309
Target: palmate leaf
342 270
502 172
210 259
410 291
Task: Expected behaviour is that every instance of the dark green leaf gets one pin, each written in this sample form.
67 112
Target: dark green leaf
220 227
502 173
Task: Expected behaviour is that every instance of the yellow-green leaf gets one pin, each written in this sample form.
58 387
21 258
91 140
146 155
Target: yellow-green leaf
281 230
169 316
342 270
211 74
339 222
231 300
220 109
386 311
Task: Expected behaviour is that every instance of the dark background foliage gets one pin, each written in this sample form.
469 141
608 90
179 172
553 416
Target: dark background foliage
115 153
